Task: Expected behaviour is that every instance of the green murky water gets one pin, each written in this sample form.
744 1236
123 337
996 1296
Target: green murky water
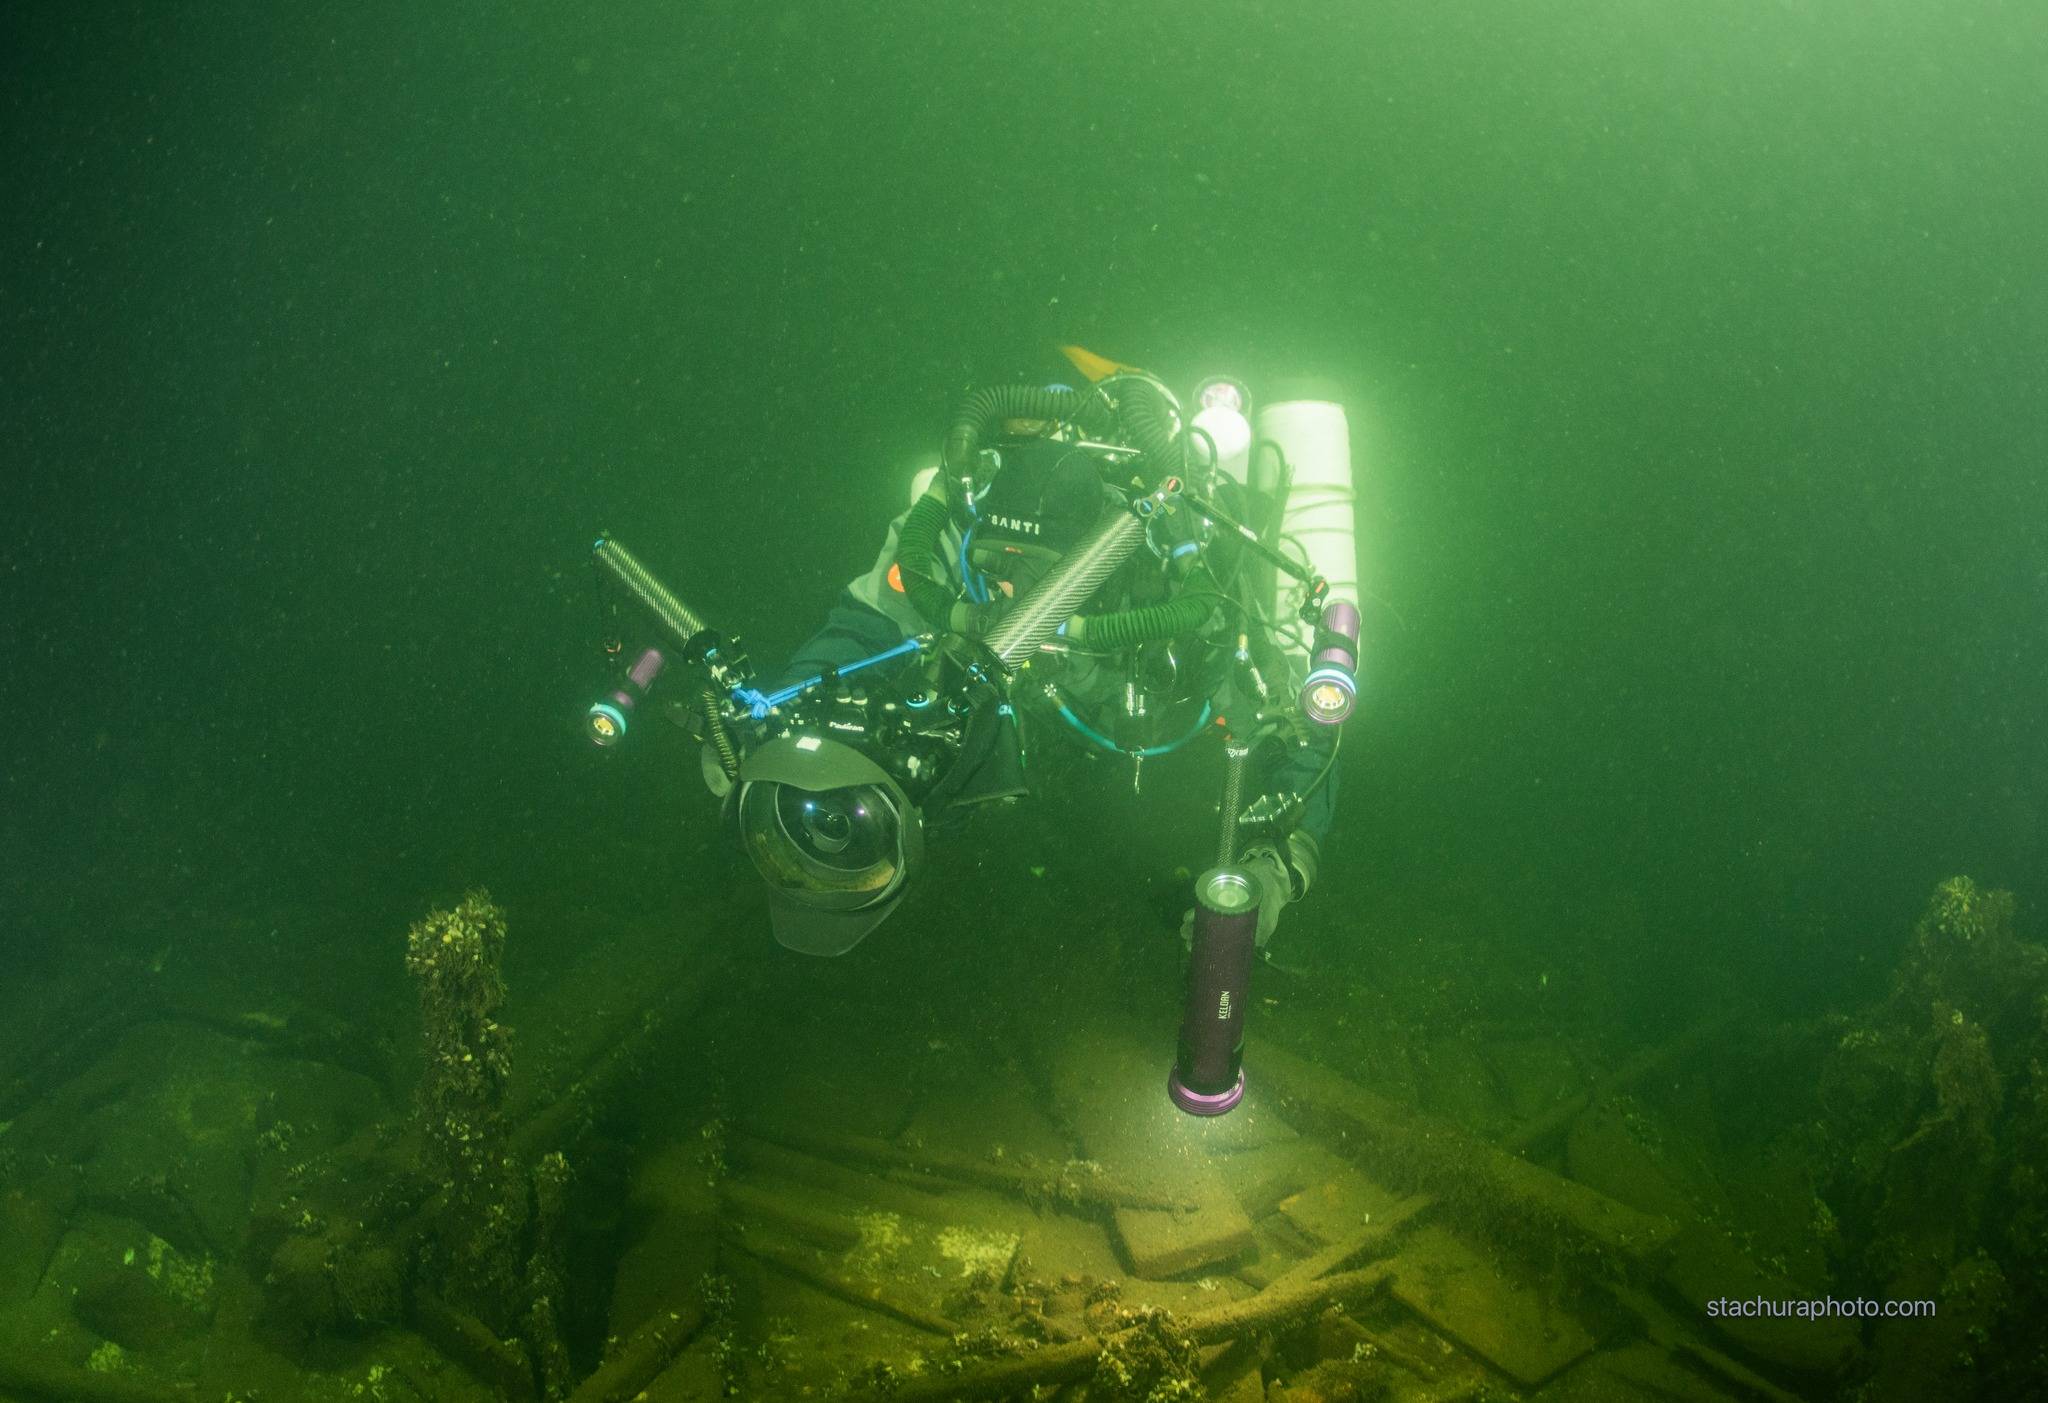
1692 362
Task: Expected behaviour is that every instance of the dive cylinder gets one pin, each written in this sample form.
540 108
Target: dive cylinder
1318 517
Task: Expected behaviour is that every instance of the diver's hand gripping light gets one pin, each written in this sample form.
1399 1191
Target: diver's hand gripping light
1331 688
606 720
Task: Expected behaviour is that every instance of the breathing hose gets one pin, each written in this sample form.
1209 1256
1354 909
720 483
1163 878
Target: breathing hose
1184 613
917 561
1149 417
989 406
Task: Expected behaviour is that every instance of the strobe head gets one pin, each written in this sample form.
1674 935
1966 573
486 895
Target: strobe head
606 721
1330 691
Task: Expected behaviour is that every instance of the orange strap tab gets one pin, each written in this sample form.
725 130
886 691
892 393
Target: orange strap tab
1095 367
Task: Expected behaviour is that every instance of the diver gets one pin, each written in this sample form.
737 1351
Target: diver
1092 563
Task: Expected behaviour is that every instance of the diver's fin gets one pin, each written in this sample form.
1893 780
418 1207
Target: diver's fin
1096 368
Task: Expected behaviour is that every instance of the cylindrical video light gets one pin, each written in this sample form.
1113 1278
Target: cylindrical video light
1208 1074
606 719
1331 689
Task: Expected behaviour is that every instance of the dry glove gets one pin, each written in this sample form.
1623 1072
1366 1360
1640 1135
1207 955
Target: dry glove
1275 885
1265 866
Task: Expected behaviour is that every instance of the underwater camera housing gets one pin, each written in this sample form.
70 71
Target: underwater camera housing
835 839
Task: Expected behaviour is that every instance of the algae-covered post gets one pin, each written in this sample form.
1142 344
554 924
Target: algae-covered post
473 1253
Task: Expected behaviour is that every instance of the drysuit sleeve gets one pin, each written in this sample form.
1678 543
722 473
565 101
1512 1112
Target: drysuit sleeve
870 615
852 631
